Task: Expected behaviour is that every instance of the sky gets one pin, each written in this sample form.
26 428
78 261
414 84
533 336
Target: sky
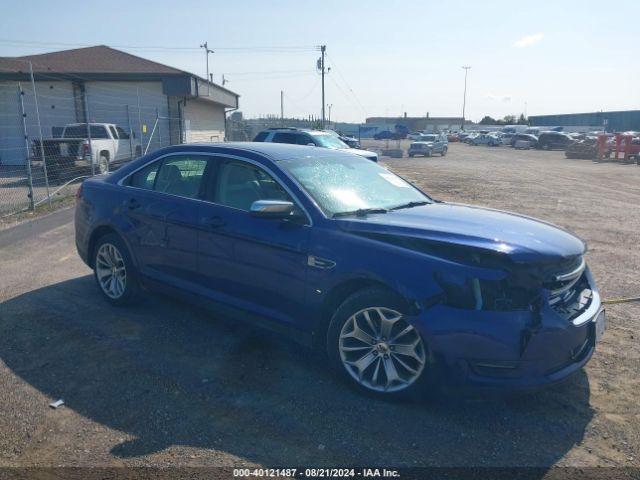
386 58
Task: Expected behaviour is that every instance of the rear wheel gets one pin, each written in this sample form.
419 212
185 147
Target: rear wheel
114 271
103 163
373 346
444 151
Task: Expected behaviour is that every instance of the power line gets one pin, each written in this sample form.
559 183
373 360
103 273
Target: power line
265 49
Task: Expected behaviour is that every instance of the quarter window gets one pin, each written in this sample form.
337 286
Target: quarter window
145 177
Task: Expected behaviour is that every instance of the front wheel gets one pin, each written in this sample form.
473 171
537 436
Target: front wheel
444 151
373 346
114 270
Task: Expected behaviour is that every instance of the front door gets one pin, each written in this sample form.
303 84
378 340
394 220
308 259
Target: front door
255 263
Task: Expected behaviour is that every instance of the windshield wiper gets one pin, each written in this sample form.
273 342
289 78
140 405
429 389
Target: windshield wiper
361 212
410 205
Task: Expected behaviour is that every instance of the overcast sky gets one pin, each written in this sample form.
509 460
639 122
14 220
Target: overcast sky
386 58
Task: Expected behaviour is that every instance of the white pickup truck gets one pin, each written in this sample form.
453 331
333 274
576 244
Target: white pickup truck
102 144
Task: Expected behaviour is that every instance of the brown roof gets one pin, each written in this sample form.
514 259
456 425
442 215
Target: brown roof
98 59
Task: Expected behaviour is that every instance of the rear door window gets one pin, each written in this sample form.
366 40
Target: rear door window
181 175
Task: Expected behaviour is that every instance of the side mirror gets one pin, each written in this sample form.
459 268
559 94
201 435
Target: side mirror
272 209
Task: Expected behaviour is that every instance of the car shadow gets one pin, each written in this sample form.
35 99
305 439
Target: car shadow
169 374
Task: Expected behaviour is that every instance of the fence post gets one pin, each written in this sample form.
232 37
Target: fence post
44 161
86 120
159 128
26 144
130 133
139 118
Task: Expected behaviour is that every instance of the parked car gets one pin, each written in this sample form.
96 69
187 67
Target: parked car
109 144
485 139
346 257
532 139
554 141
414 135
453 137
317 138
469 137
386 135
351 141
428 145
506 138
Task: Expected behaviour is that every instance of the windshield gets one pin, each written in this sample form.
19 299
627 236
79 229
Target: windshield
428 138
348 183
327 140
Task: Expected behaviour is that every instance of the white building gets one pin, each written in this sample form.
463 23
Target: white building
160 105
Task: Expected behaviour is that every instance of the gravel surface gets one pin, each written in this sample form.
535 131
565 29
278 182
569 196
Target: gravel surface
164 384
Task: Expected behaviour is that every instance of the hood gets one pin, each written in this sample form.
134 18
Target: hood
522 238
422 143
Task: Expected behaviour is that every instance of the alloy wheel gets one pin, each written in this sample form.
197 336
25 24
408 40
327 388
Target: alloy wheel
111 271
381 350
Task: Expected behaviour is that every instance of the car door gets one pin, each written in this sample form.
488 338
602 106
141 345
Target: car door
162 207
256 264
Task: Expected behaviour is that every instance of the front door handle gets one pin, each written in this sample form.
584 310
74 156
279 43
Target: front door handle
214 222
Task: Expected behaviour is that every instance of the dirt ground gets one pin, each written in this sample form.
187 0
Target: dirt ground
163 384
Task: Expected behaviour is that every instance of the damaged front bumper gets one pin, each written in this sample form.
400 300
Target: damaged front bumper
518 349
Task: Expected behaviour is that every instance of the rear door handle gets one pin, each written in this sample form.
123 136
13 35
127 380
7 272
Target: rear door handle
133 204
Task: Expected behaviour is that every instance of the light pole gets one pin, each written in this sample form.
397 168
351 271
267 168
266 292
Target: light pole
207 52
464 97
329 105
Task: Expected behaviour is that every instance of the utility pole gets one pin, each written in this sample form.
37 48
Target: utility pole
207 51
323 49
282 108
464 98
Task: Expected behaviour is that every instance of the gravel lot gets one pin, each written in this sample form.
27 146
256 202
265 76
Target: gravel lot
164 384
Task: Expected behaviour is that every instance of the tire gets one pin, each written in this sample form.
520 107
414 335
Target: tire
428 154
380 361
111 252
411 155
444 151
103 163
545 146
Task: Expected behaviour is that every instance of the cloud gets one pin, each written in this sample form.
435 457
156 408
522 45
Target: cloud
528 40
502 98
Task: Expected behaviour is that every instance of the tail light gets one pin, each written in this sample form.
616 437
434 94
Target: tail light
79 192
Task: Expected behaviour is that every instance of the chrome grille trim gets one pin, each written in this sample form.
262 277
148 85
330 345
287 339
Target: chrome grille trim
574 274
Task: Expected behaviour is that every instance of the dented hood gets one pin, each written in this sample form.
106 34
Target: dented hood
523 238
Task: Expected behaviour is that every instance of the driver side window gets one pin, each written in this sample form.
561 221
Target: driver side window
239 184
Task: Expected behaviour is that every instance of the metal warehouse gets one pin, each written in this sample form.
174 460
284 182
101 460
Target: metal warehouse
159 105
619 121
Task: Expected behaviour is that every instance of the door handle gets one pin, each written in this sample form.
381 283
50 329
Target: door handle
214 222
133 204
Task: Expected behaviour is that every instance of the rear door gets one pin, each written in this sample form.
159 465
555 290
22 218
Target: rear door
162 206
254 263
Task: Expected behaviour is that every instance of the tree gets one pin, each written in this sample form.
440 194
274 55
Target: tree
487 120
522 120
509 120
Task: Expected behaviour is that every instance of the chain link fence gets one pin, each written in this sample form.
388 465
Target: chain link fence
53 134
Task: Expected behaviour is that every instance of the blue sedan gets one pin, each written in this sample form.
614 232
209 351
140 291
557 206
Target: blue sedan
397 290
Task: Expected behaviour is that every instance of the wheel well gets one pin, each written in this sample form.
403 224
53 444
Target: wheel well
95 236
334 299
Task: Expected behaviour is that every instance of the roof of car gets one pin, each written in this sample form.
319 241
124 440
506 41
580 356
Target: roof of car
275 151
